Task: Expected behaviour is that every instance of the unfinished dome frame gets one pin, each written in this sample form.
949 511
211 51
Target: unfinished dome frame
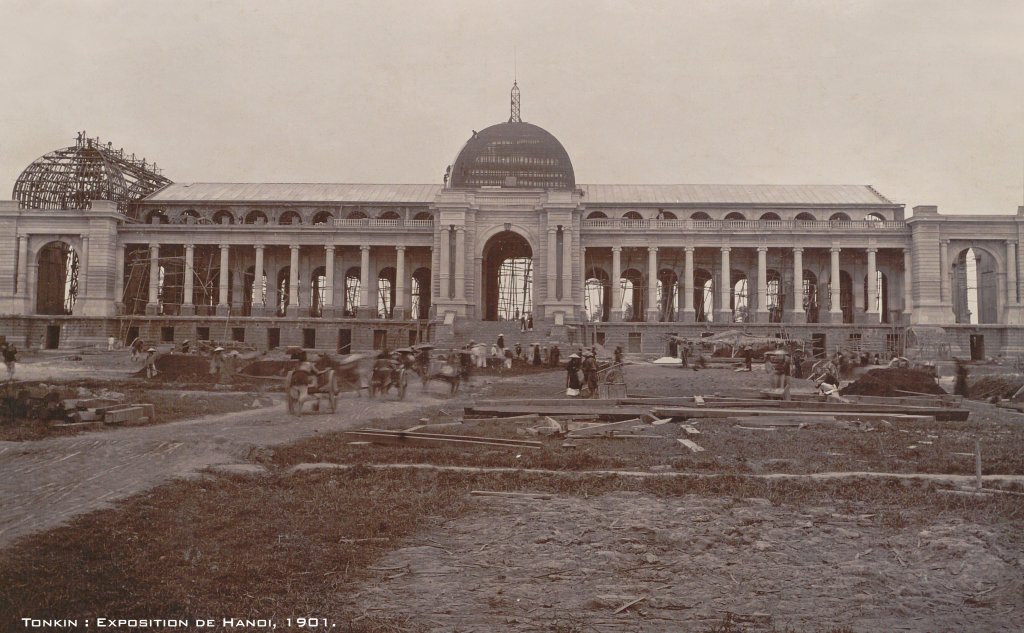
70 178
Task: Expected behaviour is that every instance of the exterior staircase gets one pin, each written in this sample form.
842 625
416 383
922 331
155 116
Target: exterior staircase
466 330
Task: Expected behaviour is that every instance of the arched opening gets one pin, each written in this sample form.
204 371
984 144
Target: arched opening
739 302
703 295
386 293
507 277
700 215
768 217
189 216
774 295
322 218
838 217
667 215
597 215
975 279
805 217
282 290
170 279
735 215
810 296
632 284
597 294
390 215
289 217
255 217
156 216
668 297
223 217
420 308
251 292
880 302
845 296
355 215
423 215
57 279
353 280
632 215
874 217
317 291
136 279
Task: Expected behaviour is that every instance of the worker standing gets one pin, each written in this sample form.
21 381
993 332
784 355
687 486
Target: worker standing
10 354
590 373
748 355
150 366
572 376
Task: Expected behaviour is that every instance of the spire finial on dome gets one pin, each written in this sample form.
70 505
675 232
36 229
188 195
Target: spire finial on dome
515 118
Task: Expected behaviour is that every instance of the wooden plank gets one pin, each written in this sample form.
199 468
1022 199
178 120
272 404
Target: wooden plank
699 400
604 429
690 430
691 412
432 442
597 411
693 446
533 417
443 436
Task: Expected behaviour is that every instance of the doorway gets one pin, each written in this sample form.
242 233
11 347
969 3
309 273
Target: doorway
507 277
53 337
977 347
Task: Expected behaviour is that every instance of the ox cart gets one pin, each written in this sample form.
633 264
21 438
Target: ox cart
388 374
304 385
445 369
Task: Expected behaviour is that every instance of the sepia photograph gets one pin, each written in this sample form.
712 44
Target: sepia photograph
565 316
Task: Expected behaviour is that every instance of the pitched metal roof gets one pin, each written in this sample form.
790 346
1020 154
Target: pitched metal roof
225 192
732 194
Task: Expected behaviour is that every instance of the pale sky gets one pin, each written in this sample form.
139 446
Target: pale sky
922 99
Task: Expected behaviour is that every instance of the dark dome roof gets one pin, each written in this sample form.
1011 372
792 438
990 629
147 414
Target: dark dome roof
513 154
72 177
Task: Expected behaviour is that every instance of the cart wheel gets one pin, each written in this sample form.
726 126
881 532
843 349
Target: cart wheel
403 382
332 391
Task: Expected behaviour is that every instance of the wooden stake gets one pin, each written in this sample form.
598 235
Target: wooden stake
977 461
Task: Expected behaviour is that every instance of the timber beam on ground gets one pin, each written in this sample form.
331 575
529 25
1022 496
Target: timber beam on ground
435 440
688 413
569 407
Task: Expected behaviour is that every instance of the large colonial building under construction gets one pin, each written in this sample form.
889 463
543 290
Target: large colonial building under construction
96 243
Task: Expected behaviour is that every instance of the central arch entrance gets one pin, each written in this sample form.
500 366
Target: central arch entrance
507 277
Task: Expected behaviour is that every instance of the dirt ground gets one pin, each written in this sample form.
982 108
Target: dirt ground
527 564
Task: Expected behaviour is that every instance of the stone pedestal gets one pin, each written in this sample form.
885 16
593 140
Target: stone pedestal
188 309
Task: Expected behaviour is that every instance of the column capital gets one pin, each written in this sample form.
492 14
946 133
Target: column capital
762 249
294 247
552 229
616 249
798 249
459 228
835 249
329 247
726 249
85 236
365 248
226 246
688 249
1011 242
652 249
154 246
871 250
400 248
944 242
192 247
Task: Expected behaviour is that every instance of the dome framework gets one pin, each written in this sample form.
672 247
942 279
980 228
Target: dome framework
70 178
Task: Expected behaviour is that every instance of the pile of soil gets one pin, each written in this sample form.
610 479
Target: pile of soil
1002 386
269 367
893 382
182 367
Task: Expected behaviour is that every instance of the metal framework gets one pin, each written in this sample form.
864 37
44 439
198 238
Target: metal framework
72 177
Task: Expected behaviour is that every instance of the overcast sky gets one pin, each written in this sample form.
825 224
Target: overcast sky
922 99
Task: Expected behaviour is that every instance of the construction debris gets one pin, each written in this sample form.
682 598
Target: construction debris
417 438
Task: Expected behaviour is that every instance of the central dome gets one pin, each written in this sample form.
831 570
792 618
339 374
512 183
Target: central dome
513 154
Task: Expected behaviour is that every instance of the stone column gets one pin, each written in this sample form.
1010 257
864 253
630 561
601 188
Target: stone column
835 310
153 305
689 314
460 263
798 286
567 264
258 304
724 289
399 312
224 278
1011 273
187 307
870 310
365 310
83 272
583 276
118 277
552 263
445 265
944 294
616 314
652 284
328 305
762 285
293 282
908 287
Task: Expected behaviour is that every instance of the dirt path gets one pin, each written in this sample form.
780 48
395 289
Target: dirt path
44 483
569 563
